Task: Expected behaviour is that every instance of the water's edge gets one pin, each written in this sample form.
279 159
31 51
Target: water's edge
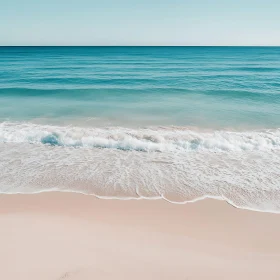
144 198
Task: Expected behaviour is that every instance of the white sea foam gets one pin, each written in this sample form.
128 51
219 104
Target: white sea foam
147 140
176 164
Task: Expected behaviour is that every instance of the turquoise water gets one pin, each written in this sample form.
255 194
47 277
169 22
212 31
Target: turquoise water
178 123
222 87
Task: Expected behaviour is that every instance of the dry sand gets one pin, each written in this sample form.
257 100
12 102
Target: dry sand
52 236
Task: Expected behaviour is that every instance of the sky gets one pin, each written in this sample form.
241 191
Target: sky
140 22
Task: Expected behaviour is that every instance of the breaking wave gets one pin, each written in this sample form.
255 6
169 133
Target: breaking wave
163 139
173 163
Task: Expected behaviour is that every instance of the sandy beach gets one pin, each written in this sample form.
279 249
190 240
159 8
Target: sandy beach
53 236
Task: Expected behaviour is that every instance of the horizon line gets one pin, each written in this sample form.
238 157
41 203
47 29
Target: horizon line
268 46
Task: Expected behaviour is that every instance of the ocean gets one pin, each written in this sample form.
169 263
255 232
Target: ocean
174 123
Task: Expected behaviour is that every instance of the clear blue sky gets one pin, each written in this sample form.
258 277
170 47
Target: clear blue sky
139 22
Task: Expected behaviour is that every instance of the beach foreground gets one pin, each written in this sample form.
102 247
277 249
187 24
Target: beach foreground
70 236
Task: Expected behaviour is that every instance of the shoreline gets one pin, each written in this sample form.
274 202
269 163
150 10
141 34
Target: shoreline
140 198
79 237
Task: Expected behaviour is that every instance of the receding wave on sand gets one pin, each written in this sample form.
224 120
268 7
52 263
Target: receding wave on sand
176 164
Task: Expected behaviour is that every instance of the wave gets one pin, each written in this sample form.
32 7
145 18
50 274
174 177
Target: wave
173 163
162 139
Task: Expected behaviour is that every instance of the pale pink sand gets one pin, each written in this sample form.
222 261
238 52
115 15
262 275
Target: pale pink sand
54 236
